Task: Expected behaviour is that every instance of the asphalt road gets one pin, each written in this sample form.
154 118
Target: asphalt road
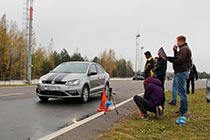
23 117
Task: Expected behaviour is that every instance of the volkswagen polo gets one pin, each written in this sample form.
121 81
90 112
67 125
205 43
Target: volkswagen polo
73 79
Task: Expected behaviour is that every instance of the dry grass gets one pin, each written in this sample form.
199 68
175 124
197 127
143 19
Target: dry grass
196 128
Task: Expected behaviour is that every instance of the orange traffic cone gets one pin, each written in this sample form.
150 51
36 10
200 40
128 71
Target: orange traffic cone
103 103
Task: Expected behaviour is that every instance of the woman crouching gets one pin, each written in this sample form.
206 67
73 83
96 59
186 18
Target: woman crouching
153 98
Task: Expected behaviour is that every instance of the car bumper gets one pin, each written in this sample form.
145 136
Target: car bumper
58 91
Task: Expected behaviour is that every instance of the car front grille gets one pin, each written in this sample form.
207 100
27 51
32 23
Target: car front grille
53 93
55 82
60 82
59 93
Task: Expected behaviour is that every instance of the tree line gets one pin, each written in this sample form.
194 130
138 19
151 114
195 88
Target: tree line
43 62
12 50
13 56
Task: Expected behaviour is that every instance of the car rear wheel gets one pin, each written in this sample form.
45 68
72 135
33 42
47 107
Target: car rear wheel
85 94
43 99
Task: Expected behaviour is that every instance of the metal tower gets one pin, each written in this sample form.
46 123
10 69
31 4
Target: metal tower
28 26
141 58
137 65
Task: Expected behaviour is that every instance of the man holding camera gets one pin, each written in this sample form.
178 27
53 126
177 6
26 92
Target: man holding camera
181 64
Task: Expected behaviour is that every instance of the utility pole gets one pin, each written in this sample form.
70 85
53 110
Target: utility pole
137 53
29 6
141 58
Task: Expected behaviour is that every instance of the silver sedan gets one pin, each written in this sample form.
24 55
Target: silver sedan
73 79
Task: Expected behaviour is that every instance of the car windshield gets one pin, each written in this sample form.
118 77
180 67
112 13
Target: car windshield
71 68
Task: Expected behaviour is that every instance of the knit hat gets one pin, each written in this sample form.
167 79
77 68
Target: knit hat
147 54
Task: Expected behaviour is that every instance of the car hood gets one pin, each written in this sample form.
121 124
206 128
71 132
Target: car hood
61 76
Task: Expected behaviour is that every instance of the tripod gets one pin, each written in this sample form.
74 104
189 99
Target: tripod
111 98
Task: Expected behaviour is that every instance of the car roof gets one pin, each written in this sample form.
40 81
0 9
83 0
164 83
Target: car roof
80 62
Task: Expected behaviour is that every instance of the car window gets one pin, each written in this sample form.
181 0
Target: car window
93 69
71 68
100 69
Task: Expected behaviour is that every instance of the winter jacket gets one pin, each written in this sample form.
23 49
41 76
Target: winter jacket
160 68
182 61
154 92
193 73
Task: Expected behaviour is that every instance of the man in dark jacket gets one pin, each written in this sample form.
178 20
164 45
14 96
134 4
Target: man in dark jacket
160 69
193 76
153 99
181 64
149 66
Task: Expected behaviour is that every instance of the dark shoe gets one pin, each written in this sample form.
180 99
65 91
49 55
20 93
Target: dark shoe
185 114
159 112
172 103
177 112
180 114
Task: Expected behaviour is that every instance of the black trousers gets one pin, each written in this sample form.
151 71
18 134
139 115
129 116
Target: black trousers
190 80
162 79
143 104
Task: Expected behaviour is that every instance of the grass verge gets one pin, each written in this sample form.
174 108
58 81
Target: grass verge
196 128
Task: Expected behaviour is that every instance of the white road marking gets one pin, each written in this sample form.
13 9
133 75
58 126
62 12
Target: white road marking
11 94
77 124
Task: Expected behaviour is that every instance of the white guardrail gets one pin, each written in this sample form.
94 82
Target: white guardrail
17 82
35 81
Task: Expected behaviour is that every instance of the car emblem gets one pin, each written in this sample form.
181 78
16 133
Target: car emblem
53 82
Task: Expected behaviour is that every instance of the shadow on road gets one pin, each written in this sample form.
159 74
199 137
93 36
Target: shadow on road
74 101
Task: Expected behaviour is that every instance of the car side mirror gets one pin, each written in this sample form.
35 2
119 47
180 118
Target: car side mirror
92 73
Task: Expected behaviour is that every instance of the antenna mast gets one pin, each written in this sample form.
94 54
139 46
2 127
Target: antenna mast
137 53
29 18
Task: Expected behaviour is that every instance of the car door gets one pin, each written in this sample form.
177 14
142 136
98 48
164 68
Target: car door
93 79
101 76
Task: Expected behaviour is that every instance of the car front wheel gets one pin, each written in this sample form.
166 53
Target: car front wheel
85 94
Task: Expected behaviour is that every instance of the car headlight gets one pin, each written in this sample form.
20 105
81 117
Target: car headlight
40 81
73 82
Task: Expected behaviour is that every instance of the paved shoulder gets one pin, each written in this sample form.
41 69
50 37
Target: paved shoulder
94 128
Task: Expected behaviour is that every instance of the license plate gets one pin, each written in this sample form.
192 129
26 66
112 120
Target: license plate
53 88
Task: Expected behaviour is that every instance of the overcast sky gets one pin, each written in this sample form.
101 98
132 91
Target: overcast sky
96 25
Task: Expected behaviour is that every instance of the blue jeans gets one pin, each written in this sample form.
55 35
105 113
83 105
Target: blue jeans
181 80
174 95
